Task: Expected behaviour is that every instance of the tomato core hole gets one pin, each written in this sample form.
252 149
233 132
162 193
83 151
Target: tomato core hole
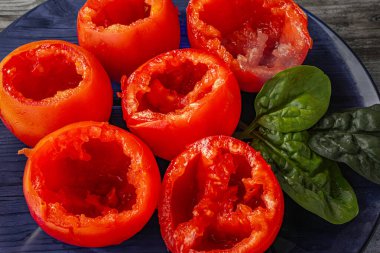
40 73
185 190
250 31
248 192
84 180
207 195
223 236
120 12
171 90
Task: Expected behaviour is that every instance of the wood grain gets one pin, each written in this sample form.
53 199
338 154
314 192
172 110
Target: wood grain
358 23
11 10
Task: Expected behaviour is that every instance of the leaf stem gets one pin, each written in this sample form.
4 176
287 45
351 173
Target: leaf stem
242 125
246 134
269 144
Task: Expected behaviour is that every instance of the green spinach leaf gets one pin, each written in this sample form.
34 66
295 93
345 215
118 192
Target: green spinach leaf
351 137
293 100
314 183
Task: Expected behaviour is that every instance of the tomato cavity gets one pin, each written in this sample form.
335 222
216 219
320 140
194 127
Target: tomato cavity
119 12
251 31
172 90
215 196
41 73
82 180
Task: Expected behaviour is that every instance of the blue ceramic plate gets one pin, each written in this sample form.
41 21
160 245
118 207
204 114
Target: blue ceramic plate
301 230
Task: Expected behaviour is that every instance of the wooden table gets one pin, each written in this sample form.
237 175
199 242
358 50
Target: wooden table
357 22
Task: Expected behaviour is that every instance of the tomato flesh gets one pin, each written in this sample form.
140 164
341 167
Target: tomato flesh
121 12
125 34
46 71
91 184
258 38
170 91
220 182
169 99
47 84
255 33
219 195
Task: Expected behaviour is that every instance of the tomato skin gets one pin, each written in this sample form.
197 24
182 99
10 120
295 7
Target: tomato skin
30 119
112 226
202 207
212 106
122 48
210 23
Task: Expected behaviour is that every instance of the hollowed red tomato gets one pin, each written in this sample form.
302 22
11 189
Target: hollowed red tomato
124 34
220 195
257 38
179 97
48 84
91 184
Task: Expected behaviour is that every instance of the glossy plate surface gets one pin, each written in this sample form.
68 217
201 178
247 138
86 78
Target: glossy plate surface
301 231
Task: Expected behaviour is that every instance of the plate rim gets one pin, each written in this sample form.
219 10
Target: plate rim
377 89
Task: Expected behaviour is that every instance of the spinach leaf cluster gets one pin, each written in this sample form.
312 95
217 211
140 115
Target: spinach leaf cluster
288 105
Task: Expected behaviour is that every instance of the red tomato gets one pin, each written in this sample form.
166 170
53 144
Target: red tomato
124 34
257 38
220 195
179 97
48 84
91 184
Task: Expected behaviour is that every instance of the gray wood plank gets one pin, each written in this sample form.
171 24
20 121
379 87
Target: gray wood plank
358 23
11 10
